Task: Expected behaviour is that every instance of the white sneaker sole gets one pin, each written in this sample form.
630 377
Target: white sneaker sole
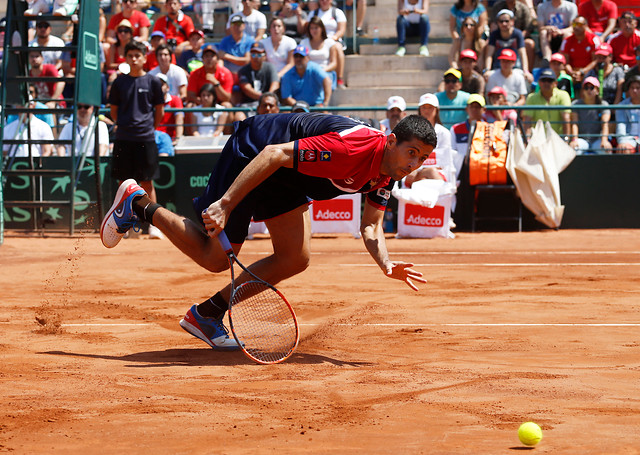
116 201
193 330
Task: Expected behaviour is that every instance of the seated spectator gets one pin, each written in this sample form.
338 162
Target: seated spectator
335 23
279 47
497 96
361 12
633 71
292 15
396 111
156 39
165 148
565 82
172 122
233 50
255 22
175 25
139 22
209 123
549 95
59 7
268 104
212 73
413 20
610 75
33 95
512 79
506 36
300 106
628 120
50 90
429 108
44 38
191 57
322 50
460 132
590 127
176 76
18 130
305 81
601 16
470 38
579 50
472 81
256 77
83 135
523 20
626 40
554 25
464 9
116 56
453 96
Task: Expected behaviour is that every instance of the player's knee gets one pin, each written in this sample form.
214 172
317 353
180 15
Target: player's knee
217 265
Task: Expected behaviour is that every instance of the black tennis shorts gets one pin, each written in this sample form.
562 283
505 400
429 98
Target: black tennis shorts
135 160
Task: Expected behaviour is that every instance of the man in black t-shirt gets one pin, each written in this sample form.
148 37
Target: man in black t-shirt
137 108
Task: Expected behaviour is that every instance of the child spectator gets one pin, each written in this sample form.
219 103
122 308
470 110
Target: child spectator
209 123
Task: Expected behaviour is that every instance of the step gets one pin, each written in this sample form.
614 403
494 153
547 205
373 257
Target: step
435 50
377 96
403 78
381 14
388 29
388 62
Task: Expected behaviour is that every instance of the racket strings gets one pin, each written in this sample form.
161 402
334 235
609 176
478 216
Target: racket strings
262 320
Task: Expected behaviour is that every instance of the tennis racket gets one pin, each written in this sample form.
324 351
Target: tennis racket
262 321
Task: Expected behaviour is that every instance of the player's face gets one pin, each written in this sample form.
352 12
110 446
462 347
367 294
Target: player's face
400 159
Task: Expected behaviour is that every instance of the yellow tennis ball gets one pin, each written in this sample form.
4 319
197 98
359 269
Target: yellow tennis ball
529 434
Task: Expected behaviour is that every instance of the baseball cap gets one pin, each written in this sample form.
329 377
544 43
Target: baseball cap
469 53
209 47
475 98
301 50
454 72
505 11
508 54
591 80
430 99
627 15
200 33
547 73
558 57
604 49
163 77
497 90
300 106
158 33
125 23
257 48
396 101
236 18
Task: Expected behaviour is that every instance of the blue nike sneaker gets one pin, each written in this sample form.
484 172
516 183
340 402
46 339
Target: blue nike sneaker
211 331
120 217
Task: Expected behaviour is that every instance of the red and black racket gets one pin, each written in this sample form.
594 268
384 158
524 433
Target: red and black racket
262 322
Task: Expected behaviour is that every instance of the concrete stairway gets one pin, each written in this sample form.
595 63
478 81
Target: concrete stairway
377 73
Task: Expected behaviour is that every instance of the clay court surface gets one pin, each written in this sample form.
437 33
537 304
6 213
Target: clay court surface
541 326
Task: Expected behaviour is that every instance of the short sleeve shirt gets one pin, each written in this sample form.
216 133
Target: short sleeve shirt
309 87
136 98
259 80
179 29
598 19
580 53
198 78
278 57
138 19
624 49
558 98
560 17
238 49
515 42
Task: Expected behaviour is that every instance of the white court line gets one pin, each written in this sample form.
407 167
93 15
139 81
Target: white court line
469 253
501 264
429 324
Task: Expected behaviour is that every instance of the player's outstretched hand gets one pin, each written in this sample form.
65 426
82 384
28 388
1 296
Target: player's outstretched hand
402 271
214 218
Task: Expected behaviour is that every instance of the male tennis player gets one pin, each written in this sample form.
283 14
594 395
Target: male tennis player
270 169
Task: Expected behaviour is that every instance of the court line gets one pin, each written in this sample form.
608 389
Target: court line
500 264
469 253
412 324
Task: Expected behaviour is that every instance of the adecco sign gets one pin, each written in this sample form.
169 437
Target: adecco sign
341 214
333 209
417 215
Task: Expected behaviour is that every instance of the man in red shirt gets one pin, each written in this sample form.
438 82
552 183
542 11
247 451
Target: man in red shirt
579 49
625 41
601 15
175 25
139 22
210 72
50 90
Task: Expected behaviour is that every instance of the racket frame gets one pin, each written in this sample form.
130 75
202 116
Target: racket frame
228 249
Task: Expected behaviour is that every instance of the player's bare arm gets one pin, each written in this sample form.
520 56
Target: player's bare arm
374 241
268 161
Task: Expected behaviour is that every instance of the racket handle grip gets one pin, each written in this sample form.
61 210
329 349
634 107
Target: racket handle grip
224 242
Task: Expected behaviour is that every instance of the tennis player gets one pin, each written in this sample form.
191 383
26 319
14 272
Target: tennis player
270 169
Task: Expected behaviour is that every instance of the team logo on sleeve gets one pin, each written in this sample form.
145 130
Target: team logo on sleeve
325 156
308 155
384 193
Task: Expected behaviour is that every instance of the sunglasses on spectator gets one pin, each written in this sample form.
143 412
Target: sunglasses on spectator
579 24
469 24
124 30
589 87
504 21
129 1
450 81
42 25
83 106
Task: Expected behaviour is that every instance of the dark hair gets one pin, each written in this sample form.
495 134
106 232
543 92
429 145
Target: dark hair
316 20
134 45
162 47
268 95
437 114
275 18
460 4
415 126
211 89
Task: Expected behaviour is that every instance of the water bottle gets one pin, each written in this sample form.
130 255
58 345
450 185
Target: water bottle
376 35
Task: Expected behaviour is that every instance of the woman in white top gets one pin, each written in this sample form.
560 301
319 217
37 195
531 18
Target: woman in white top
279 47
322 50
209 123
